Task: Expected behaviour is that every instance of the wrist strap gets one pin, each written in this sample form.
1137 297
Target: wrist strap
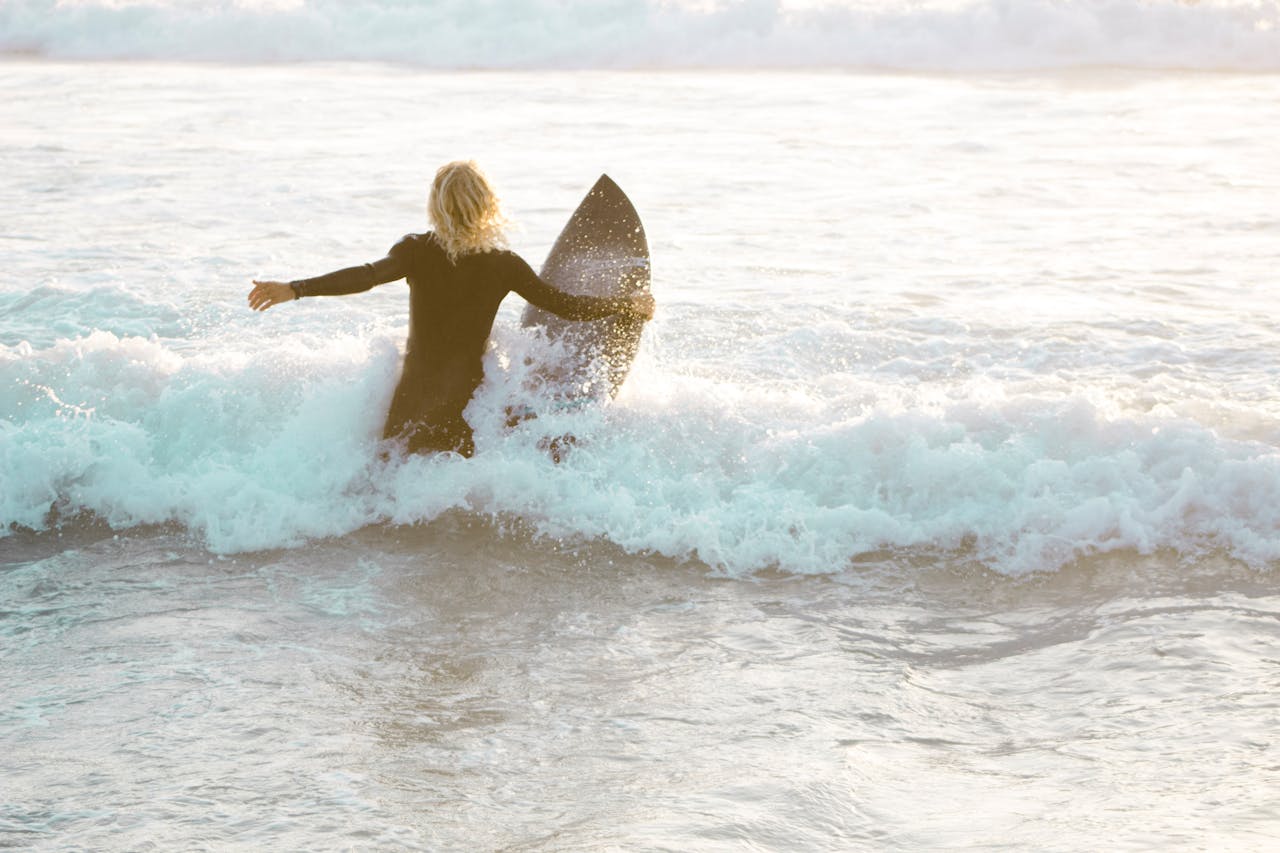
296 288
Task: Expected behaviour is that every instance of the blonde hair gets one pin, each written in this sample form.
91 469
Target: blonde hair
465 210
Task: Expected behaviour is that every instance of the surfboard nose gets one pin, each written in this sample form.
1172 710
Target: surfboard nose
602 251
605 184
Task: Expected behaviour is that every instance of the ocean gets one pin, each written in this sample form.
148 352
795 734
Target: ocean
941 509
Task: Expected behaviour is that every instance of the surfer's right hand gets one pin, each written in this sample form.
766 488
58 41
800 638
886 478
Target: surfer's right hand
268 293
642 306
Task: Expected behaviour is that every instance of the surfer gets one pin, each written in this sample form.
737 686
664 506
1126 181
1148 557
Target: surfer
458 275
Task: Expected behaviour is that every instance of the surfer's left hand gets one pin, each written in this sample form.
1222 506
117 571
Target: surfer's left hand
268 293
642 306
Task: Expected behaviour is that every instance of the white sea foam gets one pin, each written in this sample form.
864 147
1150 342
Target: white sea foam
978 34
738 477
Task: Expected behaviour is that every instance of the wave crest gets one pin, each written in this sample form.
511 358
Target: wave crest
965 35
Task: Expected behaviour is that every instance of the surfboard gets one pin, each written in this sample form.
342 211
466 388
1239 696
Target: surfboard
602 251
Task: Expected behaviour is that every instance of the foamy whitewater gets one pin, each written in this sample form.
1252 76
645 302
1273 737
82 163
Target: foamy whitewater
941 508
651 34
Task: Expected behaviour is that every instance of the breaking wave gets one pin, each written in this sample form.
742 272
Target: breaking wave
960 35
133 431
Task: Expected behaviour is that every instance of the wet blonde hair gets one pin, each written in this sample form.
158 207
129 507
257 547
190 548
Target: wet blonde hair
465 210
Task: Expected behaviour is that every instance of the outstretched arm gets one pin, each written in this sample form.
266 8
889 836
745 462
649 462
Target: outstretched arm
344 281
571 307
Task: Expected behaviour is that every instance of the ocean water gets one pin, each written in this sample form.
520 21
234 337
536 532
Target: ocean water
941 509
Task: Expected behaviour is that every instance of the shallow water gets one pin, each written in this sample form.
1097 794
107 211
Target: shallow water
451 687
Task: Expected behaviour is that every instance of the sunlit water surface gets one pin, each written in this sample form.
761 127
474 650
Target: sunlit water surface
942 508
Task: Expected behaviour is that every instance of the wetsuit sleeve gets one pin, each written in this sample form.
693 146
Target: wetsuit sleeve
526 283
358 279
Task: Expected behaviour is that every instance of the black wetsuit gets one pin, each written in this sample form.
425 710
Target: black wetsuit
451 311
